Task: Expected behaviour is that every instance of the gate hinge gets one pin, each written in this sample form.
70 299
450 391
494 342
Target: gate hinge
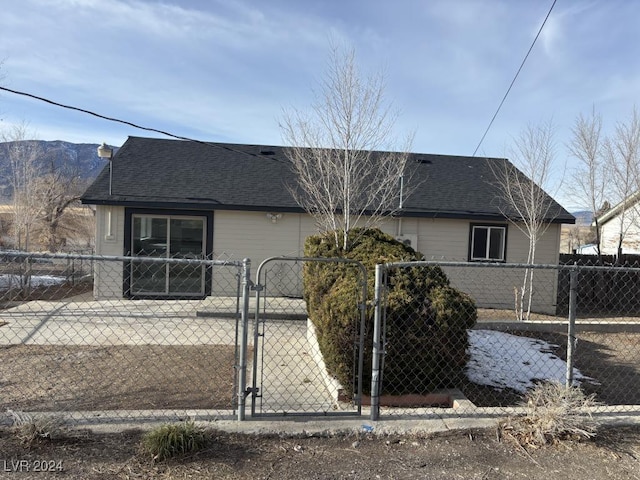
256 287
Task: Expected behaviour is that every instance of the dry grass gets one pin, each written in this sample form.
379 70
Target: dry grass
33 428
553 413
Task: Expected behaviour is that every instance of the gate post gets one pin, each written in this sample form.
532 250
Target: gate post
377 351
244 317
571 335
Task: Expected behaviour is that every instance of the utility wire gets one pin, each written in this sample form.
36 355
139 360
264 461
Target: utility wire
111 119
514 78
125 122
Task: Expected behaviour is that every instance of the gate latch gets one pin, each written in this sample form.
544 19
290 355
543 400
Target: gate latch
251 390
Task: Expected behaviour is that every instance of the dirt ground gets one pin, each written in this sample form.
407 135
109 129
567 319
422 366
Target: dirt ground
58 377
473 454
48 377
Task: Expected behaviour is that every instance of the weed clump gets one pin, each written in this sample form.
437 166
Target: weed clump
553 412
31 428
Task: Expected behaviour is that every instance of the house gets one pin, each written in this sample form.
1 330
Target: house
233 201
623 220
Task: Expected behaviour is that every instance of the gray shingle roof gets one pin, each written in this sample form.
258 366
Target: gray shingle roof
162 173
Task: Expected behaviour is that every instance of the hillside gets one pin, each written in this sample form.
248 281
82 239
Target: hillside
77 159
583 217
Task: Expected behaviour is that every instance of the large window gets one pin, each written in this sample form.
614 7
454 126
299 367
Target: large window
488 243
167 236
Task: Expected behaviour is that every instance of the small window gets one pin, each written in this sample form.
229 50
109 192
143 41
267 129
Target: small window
488 243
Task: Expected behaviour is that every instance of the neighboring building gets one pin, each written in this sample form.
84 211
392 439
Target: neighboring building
588 249
233 201
623 220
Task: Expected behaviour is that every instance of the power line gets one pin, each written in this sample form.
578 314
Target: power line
111 119
514 78
125 122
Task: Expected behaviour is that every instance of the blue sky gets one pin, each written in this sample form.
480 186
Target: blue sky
224 70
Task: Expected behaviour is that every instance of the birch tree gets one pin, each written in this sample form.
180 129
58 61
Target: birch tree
342 153
592 174
523 199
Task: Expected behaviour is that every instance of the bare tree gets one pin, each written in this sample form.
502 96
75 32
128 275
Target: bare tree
58 187
622 153
22 155
54 193
592 174
523 200
341 152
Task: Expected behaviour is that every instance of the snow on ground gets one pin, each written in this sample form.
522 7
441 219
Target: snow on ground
7 281
502 360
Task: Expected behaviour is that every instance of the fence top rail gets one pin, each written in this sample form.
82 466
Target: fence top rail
425 263
313 259
535 266
13 256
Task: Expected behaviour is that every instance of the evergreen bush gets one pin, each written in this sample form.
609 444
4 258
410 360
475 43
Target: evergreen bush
426 318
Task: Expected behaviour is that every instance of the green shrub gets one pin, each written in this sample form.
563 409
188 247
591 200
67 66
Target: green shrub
427 319
170 440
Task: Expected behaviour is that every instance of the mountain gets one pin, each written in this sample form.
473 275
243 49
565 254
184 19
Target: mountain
583 217
77 159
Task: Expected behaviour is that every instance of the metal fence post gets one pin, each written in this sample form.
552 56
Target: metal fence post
244 317
571 338
377 351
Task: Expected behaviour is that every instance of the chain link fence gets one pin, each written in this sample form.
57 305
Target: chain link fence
100 337
121 348
526 331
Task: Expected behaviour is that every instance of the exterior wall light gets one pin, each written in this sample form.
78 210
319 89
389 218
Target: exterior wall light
104 151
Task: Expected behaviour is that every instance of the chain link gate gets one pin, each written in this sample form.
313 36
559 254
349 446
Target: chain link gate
289 376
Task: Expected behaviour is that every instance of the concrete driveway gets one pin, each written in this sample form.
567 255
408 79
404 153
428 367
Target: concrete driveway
107 322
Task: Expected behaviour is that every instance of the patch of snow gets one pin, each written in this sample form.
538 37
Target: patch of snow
503 360
36 280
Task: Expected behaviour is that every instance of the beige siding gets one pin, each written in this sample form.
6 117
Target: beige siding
238 235
448 240
496 288
109 241
254 235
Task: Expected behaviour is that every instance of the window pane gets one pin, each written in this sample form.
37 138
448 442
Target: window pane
149 239
496 244
150 236
186 238
186 242
479 243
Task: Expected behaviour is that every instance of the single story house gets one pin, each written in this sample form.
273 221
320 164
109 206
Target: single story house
163 197
623 220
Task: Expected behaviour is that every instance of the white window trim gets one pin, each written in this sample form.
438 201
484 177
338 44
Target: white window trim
487 258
